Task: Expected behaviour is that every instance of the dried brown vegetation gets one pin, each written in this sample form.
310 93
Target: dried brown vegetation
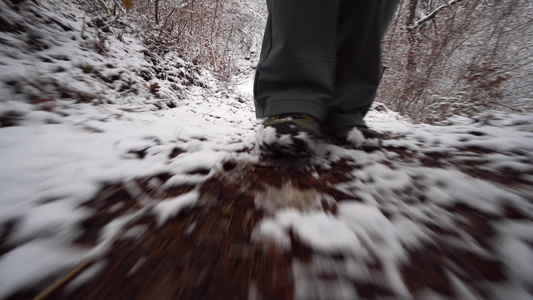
449 57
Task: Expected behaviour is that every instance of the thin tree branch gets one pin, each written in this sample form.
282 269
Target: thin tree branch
433 14
506 106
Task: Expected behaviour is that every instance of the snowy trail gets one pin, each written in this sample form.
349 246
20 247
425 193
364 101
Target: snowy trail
440 211
134 194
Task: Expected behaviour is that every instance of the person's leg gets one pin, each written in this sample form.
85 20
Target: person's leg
362 24
297 65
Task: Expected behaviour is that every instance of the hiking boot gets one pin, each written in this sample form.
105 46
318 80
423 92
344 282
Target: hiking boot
289 135
358 137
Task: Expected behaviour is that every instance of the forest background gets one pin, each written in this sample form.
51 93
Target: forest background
440 57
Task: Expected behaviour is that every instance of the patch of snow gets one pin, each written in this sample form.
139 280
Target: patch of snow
320 231
86 275
287 196
135 232
268 231
33 261
306 287
355 136
169 208
519 259
462 290
56 218
136 267
462 188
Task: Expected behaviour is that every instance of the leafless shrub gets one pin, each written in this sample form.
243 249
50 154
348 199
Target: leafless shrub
471 53
208 32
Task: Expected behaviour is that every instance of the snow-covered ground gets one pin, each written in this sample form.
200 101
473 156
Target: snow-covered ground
456 200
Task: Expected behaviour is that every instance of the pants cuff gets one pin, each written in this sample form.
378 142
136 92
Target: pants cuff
338 121
291 107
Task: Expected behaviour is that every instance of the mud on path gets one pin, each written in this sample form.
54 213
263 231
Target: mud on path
208 250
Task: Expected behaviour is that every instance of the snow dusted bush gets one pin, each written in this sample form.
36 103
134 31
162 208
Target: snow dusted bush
77 51
211 33
474 52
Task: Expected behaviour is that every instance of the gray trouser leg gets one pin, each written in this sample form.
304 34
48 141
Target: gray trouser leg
362 25
297 66
321 57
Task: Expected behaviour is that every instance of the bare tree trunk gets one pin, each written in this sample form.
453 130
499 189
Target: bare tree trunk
410 80
156 12
214 19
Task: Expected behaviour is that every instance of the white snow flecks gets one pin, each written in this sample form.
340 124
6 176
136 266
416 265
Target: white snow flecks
135 232
270 231
86 275
31 262
520 259
314 288
55 219
384 176
513 245
169 208
462 188
320 231
136 267
267 135
287 196
370 224
355 136
420 201
324 233
360 232
197 160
